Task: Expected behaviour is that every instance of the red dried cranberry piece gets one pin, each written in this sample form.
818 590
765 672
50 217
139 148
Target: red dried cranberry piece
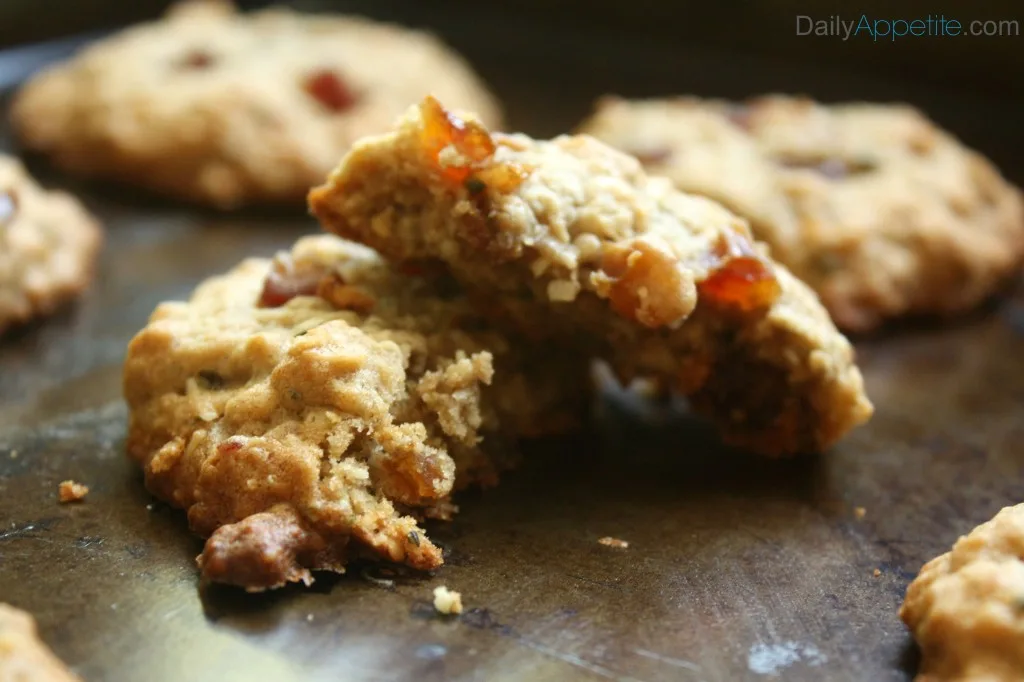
280 288
197 59
328 88
740 115
652 156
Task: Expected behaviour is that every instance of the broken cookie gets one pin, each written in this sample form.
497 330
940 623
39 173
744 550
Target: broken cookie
319 406
569 241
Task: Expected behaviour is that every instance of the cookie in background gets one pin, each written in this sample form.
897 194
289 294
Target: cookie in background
227 109
48 246
880 211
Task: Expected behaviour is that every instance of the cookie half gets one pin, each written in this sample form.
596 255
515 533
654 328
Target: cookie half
966 608
880 211
23 656
48 246
317 407
228 109
569 241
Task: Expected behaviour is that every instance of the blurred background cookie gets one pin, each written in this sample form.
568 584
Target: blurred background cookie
48 246
227 109
23 655
879 210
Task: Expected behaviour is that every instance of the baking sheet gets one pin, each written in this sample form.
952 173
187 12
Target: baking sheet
737 568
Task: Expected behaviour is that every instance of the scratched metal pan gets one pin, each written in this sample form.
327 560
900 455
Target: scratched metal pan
737 568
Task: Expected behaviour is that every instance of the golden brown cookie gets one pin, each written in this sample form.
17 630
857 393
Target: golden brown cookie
879 210
318 406
570 240
23 656
48 246
966 608
229 109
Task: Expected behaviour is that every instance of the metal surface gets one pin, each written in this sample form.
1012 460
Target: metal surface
737 568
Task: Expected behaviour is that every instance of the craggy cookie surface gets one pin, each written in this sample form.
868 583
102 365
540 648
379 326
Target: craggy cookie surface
966 608
229 109
571 240
48 246
314 408
23 656
874 206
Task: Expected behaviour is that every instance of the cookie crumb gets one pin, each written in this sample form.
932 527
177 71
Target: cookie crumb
859 513
71 491
613 542
14 454
447 601
876 573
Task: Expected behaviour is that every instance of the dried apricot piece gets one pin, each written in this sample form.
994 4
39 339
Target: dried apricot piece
469 142
739 277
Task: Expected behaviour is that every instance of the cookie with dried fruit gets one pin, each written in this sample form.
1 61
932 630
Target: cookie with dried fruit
570 241
318 406
230 109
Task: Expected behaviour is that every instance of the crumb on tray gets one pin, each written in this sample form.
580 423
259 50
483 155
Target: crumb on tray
876 573
71 491
447 601
613 542
859 513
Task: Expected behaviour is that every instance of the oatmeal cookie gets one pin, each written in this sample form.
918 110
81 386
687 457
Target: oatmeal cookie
23 656
48 246
880 211
570 240
319 405
227 109
966 608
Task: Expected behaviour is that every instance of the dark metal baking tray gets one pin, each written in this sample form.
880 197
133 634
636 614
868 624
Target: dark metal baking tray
738 568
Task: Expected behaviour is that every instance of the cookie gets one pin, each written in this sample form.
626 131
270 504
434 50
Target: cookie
569 241
228 109
966 608
314 408
48 246
884 214
23 656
